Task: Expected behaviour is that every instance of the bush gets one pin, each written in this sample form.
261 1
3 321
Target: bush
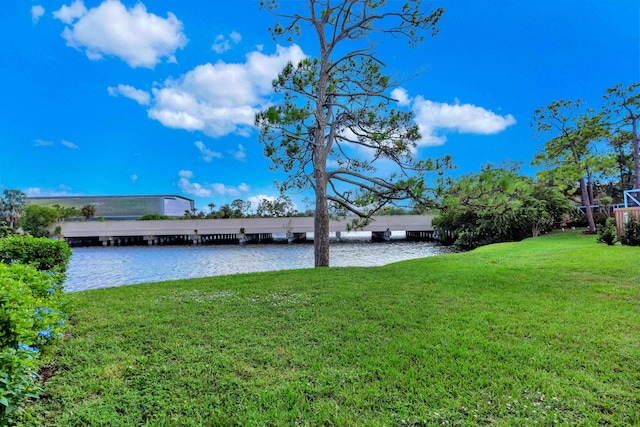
152 217
18 369
577 219
631 235
43 254
31 313
5 230
608 233
31 317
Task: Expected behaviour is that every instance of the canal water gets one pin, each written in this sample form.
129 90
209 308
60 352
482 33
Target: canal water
101 267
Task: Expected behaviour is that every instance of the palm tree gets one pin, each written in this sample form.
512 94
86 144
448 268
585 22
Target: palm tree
12 204
88 212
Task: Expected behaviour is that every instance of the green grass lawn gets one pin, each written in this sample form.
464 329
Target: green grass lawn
541 332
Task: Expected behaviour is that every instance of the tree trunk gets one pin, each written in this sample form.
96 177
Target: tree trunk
321 222
636 152
590 188
587 206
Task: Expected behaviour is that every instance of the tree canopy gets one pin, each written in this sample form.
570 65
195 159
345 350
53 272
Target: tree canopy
36 219
497 205
336 122
624 109
11 205
571 154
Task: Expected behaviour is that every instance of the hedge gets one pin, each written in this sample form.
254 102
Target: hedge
32 304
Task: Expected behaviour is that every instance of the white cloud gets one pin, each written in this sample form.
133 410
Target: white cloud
62 190
140 96
401 95
223 44
134 178
255 200
206 190
70 145
206 153
435 118
42 143
225 190
239 154
236 37
68 14
191 188
221 98
139 38
36 13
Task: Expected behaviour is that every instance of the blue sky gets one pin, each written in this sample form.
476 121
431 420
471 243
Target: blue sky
105 97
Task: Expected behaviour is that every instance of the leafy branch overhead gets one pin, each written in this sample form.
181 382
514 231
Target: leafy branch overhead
336 122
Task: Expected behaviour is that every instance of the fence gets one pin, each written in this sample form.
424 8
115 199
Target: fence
622 215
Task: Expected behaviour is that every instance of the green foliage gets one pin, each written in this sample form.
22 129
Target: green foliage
6 231
43 254
280 207
624 108
36 219
31 318
573 156
31 314
496 205
338 105
27 295
153 217
11 205
18 374
631 235
67 212
622 145
88 212
608 233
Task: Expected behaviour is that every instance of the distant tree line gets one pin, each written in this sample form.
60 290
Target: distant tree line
34 219
589 159
592 154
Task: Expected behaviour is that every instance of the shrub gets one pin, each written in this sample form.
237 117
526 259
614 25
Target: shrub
31 313
608 233
18 369
5 230
31 317
151 217
43 254
631 235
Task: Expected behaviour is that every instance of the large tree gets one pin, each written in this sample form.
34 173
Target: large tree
624 106
622 145
280 207
338 105
88 212
36 219
571 154
11 206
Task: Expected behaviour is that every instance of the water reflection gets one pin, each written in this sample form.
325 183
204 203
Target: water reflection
91 268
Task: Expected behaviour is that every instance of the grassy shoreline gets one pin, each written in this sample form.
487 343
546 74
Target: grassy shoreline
545 331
